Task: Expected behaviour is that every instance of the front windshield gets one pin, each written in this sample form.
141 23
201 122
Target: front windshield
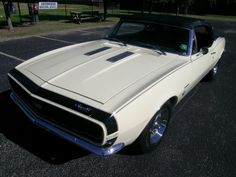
151 35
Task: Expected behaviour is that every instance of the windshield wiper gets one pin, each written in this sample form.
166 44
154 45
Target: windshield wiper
155 47
116 40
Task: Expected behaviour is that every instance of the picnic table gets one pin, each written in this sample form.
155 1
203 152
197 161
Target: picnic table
78 17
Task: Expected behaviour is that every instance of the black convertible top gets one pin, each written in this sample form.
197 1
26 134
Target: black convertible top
185 22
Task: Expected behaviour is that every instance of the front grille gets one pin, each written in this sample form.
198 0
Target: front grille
60 118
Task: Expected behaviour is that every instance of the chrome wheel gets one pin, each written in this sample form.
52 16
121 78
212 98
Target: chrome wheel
159 126
215 69
155 129
212 73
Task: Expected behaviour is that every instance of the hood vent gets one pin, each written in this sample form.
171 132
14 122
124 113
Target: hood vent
120 57
93 52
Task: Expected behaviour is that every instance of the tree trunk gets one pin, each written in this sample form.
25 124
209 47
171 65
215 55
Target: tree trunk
142 8
105 9
18 4
177 10
150 7
7 14
10 26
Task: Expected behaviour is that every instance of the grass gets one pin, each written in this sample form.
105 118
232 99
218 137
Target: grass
214 17
49 27
48 14
50 21
206 17
59 20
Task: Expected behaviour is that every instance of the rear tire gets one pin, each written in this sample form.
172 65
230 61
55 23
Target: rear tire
212 74
154 131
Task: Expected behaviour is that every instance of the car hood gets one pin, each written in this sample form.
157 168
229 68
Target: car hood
99 70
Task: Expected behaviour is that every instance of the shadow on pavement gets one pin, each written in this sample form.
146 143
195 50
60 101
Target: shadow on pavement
17 128
131 150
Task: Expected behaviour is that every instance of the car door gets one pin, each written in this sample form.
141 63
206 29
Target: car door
202 52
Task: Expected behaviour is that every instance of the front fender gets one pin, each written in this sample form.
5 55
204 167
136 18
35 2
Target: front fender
134 117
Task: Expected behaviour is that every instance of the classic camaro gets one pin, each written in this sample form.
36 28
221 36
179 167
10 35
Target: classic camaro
106 94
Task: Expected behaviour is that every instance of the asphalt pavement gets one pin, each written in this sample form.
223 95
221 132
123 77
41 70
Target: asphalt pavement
200 141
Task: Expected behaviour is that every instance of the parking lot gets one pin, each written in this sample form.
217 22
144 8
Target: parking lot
200 141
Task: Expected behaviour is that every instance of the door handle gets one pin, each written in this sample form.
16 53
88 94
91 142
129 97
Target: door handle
213 53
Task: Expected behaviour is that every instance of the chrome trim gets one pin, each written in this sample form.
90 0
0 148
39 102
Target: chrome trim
35 119
191 40
34 90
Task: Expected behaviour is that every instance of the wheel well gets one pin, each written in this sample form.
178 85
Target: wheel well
173 100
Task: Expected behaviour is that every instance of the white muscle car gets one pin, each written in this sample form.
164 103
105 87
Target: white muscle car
106 94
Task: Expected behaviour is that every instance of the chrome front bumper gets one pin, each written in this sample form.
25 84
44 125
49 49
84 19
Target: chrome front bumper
38 121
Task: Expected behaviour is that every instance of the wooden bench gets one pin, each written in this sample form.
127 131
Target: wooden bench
78 17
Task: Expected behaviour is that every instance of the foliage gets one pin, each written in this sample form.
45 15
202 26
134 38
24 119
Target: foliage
220 7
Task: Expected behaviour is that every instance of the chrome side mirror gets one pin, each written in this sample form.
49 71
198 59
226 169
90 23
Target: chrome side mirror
204 50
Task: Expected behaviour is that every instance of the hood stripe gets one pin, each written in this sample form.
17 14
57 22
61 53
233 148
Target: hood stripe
97 51
120 56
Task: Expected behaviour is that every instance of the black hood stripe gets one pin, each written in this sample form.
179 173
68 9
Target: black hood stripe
97 51
97 114
120 56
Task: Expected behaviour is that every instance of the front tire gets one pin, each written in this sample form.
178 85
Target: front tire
154 131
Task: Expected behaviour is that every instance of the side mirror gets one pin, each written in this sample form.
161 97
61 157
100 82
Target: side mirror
204 50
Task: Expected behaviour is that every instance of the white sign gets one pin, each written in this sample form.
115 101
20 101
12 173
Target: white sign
47 5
